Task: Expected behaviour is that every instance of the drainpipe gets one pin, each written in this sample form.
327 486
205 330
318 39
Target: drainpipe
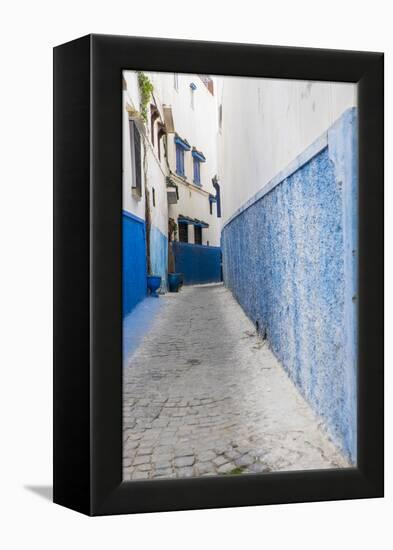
218 195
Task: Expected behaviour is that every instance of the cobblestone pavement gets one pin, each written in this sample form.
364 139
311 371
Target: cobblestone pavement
204 395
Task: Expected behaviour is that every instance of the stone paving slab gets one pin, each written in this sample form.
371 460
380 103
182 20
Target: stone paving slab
204 395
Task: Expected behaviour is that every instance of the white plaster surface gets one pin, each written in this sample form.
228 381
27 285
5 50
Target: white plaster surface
130 98
266 124
199 127
154 171
204 395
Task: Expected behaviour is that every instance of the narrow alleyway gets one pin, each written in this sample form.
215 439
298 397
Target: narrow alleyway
204 395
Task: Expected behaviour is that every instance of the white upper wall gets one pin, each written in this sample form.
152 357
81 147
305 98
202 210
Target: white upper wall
195 117
266 123
198 125
130 99
155 168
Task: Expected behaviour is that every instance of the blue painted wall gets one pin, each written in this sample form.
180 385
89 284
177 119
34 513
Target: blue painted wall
290 259
199 264
134 262
136 325
159 255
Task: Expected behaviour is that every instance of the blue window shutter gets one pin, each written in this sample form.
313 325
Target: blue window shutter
197 172
179 160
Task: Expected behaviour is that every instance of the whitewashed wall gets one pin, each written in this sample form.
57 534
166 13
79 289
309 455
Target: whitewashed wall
156 169
266 123
130 99
157 180
195 204
199 127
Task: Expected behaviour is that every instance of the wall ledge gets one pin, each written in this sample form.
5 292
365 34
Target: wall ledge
311 151
133 217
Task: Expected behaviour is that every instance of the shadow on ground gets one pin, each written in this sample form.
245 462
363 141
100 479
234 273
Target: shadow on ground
44 491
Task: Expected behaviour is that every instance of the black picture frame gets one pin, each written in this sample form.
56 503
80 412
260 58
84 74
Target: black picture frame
87 274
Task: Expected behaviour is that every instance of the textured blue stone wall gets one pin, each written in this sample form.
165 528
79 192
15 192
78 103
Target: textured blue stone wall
159 255
199 264
290 260
134 262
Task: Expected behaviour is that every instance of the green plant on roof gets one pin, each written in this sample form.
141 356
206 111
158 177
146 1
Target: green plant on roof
146 89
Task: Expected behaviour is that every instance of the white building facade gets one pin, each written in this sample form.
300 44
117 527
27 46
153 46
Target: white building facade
169 179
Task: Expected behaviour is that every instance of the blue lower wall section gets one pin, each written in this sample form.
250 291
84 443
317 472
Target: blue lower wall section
134 262
159 255
199 264
290 260
137 324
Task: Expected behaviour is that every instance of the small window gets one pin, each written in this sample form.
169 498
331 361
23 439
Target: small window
197 234
176 81
197 171
154 196
220 117
180 160
136 165
183 232
192 92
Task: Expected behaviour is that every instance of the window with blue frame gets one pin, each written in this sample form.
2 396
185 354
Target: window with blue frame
179 160
198 157
182 145
197 171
